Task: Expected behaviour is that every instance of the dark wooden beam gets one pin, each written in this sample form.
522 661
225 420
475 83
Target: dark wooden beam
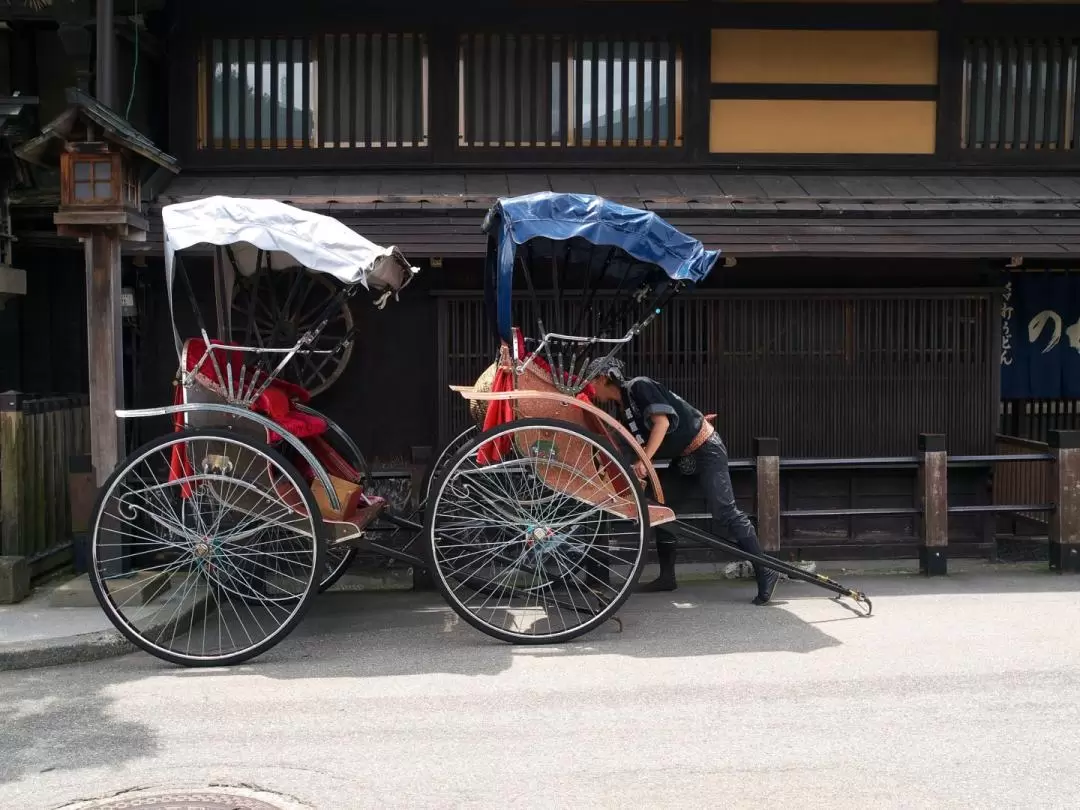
827 92
950 81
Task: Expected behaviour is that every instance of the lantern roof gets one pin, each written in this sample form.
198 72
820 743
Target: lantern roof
83 114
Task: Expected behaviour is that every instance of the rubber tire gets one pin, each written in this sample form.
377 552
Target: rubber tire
338 572
305 599
568 635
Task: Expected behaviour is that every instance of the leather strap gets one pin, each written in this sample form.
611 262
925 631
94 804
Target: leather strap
703 435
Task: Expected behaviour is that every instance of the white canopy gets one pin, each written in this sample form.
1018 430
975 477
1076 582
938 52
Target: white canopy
317 242
286 236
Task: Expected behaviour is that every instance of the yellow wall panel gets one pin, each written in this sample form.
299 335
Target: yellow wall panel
824 57
822 127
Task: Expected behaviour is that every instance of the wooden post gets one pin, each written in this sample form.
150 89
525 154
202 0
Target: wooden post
767 494
106 351
11 472
1065 493
933 498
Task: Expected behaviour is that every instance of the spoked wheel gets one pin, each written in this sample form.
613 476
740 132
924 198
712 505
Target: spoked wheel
543 544
272 308
207 548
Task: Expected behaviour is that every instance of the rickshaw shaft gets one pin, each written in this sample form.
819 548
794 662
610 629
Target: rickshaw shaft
682 531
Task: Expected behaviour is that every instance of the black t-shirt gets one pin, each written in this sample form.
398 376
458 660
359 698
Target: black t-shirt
643 398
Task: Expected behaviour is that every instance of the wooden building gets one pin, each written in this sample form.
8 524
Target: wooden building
874 171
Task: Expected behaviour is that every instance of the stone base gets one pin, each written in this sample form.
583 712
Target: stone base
14 580
1065 557
138 589
933 561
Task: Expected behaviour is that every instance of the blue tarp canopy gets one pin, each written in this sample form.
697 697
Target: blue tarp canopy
640 245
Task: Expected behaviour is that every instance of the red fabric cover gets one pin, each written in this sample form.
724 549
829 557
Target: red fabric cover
499 412
179 464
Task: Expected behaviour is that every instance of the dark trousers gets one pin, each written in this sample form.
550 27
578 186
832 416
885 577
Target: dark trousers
715 476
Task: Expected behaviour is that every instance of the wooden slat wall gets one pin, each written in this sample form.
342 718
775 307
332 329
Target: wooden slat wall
838 373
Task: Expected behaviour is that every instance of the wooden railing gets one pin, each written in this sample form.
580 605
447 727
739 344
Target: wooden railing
1022 481
1034 419
38 438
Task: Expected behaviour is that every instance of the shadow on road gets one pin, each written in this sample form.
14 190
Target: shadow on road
49 722
383 635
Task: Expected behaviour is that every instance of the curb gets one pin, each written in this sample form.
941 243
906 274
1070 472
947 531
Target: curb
51 652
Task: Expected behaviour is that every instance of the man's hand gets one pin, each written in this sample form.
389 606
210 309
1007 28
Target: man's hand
660 424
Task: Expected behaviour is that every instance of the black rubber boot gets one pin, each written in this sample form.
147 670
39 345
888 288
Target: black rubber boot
665 553
766 580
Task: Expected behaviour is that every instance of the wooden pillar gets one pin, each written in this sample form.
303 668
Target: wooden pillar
104 336
933 501
767 494
1065 494
12 479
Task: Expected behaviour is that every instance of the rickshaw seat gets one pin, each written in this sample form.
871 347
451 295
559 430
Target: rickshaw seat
356 507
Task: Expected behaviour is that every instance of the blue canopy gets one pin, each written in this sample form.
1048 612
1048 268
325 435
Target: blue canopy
643 239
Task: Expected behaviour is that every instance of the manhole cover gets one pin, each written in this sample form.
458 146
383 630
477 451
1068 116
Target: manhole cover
185 801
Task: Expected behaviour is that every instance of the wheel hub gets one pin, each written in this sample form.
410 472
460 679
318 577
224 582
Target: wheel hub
202 550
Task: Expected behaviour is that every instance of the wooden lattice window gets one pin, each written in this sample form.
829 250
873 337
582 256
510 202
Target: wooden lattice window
541 90
335 91
1019 93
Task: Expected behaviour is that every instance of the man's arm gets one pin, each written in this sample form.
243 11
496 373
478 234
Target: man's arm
660 424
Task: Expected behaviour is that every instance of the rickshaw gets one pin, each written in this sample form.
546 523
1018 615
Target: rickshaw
209 543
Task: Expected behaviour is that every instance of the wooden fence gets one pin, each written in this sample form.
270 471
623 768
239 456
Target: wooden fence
39 435
1022 481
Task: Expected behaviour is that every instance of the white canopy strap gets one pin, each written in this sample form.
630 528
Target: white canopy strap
288 236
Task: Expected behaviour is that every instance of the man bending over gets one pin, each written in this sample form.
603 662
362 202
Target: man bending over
668 427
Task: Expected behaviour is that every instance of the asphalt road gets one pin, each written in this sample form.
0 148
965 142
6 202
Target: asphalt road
959 693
